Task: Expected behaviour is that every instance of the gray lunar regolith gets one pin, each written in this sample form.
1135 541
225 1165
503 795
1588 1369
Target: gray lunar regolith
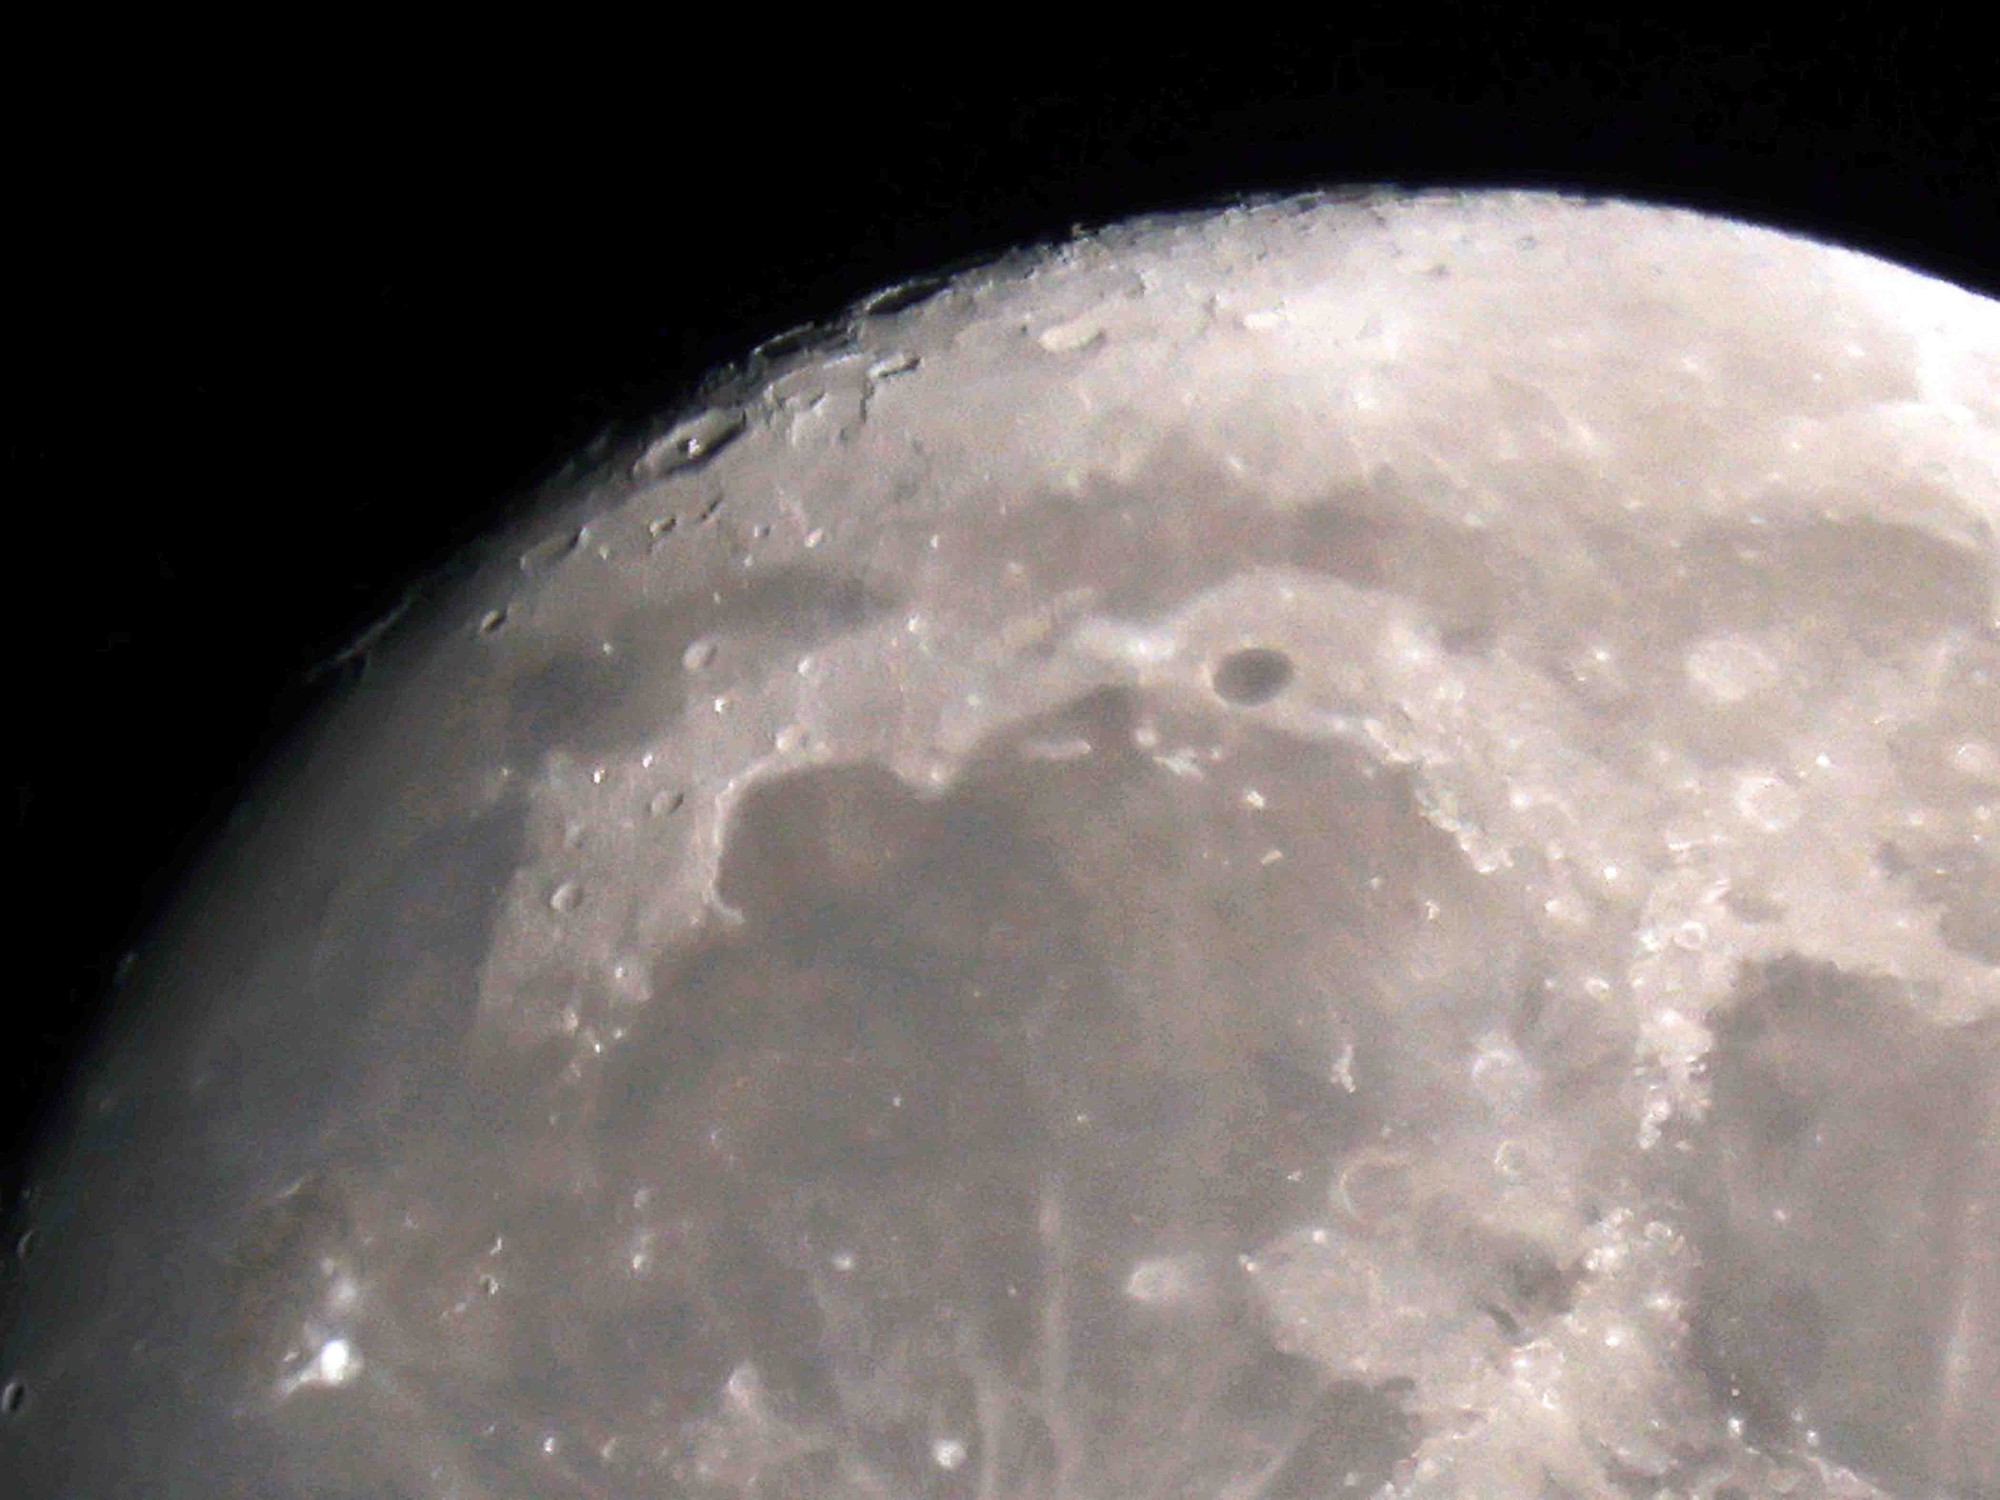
1340 848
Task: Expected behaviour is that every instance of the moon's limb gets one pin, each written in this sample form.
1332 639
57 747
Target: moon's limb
1336 848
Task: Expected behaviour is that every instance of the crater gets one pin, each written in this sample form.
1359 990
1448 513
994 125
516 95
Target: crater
1252 675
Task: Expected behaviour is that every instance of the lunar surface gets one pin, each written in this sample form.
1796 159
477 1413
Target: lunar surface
1339 848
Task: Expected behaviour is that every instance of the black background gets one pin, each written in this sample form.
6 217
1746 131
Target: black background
291 319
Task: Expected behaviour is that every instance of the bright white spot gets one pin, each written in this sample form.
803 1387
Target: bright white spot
949 1453
336 1363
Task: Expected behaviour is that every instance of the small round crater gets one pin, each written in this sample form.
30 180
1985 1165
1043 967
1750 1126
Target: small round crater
1253 675
1374 1190
492 621
14 1397
700 655
25 1245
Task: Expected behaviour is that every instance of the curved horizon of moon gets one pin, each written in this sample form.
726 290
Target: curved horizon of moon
1339 847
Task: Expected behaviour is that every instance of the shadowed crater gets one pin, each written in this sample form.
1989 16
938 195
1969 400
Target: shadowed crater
1253 675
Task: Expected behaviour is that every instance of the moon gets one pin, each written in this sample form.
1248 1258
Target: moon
1336 847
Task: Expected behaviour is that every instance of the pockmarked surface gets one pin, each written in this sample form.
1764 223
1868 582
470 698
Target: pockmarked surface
1343 848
